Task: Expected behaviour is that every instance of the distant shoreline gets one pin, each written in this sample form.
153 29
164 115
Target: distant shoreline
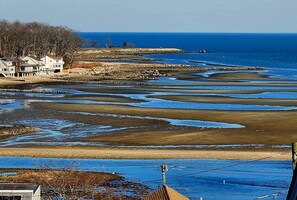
97 65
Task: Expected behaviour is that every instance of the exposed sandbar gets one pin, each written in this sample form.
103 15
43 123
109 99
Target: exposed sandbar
10 131
229 100
261 127
125 153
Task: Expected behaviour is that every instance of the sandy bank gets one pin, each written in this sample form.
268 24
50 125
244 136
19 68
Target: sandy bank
6 82
229 100
135 153
9 131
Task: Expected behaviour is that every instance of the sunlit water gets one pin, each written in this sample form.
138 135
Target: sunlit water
210 179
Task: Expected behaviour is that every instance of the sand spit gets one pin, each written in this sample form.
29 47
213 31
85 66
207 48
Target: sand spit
229 100
124 64
141 153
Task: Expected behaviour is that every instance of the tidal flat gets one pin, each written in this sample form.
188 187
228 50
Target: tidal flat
185 111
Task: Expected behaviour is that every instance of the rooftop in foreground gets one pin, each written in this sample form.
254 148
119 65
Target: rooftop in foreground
165 193
18 186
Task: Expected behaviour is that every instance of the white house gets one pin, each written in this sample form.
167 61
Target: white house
53 64
34 64
6 68
30 66
19 191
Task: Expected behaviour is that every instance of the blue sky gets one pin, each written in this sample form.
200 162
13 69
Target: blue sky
257 16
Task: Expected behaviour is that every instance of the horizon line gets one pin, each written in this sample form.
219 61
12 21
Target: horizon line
187 32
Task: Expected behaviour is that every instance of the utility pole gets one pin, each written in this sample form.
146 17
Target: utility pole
164 169
294 155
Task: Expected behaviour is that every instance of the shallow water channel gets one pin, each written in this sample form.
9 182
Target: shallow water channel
210 179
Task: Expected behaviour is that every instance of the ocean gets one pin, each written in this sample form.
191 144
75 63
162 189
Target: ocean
278 52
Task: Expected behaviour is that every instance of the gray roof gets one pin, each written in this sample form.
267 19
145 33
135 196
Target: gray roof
4 62
18 186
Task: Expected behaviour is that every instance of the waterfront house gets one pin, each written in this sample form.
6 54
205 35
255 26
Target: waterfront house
28 66
165 193
6 68
53 64
19 191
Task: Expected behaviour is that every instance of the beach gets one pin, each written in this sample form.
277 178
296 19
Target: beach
117 112
145 153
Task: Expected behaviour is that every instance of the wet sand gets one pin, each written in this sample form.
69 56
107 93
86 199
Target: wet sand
229 100
261 127
10 82
10 131
140 153
101 98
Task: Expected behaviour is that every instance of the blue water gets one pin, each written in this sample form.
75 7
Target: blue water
168 104
9 105
214 42
278 52
279 64
210 179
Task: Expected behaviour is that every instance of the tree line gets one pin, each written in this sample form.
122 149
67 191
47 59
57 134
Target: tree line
39 39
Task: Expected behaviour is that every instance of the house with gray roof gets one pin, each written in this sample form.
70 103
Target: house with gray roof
19 191
6 68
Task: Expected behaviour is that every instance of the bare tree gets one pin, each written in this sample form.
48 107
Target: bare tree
68 183
38 39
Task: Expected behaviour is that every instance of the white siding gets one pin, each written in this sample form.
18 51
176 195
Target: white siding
53 64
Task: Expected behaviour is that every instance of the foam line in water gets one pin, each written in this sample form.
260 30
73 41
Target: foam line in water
175 122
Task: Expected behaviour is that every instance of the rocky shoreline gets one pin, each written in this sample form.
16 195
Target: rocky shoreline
134 55
92 71
148 71
111 72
